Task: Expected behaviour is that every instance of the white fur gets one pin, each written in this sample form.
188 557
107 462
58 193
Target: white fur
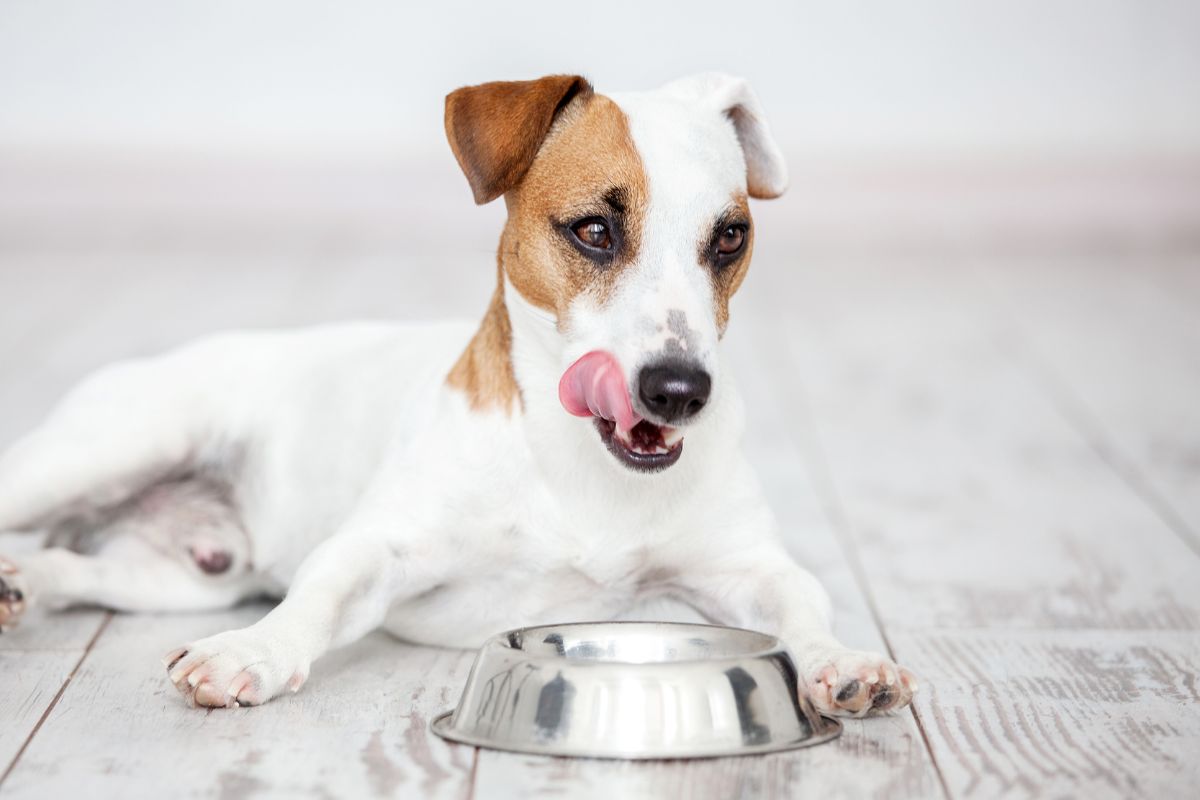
374 496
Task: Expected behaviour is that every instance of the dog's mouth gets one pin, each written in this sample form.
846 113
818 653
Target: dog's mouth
645 447
594 386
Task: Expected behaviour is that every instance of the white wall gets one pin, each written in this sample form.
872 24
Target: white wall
312 78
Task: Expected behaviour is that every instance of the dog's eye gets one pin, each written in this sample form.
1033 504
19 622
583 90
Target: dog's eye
731 240
593 233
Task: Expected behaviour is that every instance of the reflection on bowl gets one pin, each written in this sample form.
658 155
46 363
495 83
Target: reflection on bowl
634 690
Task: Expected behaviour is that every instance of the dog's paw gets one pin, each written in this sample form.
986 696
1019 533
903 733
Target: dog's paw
12 595
851 683
237 668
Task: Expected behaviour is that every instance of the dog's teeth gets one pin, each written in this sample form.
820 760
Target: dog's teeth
672 437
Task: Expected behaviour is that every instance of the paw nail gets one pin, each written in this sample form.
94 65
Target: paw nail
849 691
209 696
172 658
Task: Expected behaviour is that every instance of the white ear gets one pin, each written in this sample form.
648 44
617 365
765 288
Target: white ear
766 171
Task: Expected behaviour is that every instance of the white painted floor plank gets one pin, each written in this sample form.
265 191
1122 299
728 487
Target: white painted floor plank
1053 713
973 502
978 510
29 681
42 631
1121 350
357 729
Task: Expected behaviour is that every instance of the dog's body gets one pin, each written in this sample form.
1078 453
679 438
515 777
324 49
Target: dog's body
426 478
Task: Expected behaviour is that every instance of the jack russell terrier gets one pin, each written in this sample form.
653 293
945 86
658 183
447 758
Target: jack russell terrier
570 456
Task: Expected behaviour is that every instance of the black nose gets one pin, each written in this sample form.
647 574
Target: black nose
673 391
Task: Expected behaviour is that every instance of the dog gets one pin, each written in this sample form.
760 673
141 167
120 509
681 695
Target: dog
573 454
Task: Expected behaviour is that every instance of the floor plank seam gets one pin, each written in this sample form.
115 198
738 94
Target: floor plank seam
1019 346
831 502
103 626
1076 414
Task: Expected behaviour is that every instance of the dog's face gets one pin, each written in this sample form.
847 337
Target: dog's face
629 222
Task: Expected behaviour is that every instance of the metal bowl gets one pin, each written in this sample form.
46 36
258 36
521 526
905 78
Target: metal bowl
634 690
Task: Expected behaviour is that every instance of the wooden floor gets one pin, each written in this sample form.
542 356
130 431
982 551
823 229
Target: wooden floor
990 454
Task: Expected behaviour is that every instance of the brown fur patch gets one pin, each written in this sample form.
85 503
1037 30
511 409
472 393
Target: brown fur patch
588 156
587 166
484 371
727 279
496 129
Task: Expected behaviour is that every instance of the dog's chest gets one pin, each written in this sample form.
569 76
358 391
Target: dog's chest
516 593
546 564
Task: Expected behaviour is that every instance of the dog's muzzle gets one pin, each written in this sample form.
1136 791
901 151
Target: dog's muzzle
594 386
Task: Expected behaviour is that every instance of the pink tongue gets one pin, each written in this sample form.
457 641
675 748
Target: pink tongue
594 387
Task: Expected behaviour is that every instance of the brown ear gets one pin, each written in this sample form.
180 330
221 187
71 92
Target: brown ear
495 129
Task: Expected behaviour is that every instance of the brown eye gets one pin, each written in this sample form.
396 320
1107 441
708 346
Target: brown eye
731 240
593 233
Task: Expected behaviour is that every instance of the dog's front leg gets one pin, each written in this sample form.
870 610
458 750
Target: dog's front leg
341 592
762 588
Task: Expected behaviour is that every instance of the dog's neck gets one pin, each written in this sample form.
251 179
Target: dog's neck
484 371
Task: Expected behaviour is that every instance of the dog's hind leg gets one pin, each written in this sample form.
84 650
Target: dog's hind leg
123 428
178 546
131 576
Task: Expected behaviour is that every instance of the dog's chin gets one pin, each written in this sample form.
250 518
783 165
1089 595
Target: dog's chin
649 447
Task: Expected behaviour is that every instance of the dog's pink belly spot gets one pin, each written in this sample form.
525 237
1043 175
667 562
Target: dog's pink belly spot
211 560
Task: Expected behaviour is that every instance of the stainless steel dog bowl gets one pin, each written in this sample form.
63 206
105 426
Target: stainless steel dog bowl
634 690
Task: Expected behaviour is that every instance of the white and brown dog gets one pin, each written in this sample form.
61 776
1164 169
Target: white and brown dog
427 479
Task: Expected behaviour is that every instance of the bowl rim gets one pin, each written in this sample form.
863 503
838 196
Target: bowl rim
776 645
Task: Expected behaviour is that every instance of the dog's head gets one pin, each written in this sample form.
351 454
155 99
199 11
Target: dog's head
628 221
